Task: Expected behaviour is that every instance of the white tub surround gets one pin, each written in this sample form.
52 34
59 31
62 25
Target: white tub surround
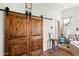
74 46
75 43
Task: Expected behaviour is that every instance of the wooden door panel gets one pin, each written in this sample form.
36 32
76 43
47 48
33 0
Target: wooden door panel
36 44
17 40
17 49
36 27
17 46
18 27
33 27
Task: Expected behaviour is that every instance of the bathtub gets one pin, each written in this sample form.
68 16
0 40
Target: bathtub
75 43
74 46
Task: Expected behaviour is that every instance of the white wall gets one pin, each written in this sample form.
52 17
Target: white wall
47 29
1 32
74 12
37 9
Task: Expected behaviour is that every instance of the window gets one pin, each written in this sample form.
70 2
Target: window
67 21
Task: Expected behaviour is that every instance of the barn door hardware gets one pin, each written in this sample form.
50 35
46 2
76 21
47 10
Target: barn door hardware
7 10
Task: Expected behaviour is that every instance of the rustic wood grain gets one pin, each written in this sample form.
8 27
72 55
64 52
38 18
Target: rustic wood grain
36 34
23 34
15 27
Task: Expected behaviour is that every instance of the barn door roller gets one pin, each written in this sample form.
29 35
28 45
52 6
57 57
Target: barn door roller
6 10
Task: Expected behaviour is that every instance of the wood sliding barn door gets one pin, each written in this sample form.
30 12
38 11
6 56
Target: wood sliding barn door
15 34
23 34
36 35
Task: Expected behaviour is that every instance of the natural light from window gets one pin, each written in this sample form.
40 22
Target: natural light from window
67 21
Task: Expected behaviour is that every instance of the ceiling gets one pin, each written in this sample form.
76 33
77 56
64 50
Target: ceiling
66 5
55 6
